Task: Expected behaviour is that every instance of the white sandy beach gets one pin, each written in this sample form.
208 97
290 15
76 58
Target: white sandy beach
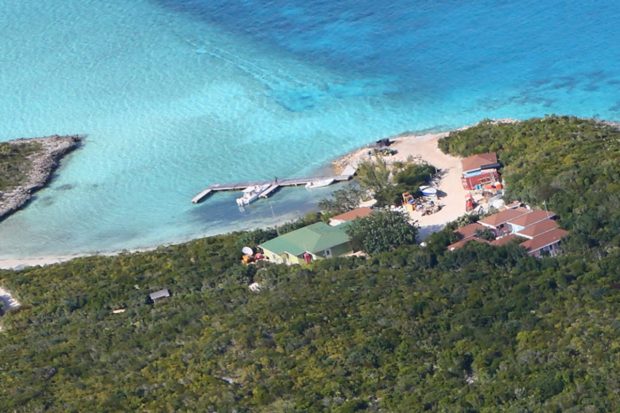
9 264
423 147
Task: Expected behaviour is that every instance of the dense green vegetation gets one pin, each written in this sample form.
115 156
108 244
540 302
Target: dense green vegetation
381 231
386 182
413 175
570 164
481 329
14 163
342 200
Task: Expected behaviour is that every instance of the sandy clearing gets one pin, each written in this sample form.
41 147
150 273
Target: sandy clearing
425 149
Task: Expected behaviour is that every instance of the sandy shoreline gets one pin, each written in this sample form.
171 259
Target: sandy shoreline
20 263
423 147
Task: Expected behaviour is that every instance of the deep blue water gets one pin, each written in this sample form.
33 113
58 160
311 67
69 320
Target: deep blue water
174 95
433 48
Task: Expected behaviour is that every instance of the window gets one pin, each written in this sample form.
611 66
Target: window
328 253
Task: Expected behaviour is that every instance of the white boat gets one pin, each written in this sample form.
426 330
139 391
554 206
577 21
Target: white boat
250 194
319 183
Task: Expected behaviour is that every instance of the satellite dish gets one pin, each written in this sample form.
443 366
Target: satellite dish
247 251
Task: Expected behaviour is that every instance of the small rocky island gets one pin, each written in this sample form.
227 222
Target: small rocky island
26 165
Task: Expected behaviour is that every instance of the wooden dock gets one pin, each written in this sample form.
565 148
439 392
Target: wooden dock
270 191
275 185
202 195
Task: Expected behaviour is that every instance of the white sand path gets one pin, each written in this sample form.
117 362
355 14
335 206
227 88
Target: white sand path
425 147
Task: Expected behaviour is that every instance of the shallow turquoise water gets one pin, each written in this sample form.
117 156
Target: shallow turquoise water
175 95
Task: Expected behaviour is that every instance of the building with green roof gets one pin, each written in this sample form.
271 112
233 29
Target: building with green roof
319 240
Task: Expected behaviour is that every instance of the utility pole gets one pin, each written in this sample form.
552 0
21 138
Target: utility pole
274 216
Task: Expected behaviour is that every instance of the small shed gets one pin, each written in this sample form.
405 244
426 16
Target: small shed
158 295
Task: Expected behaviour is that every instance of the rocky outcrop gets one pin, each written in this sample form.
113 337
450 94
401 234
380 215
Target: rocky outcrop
43 164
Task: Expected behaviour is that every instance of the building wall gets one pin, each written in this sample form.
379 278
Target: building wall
486 177
285 258
341 249
551 250
290 259
273 257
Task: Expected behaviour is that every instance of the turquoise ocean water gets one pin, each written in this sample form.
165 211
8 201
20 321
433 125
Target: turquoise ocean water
175 95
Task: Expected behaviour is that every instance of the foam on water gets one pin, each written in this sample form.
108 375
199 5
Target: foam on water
175 95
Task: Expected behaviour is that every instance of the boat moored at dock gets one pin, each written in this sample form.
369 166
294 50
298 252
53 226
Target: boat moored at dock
264 189
319 183
251 194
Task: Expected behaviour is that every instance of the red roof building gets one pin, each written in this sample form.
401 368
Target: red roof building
460 244
505 240
350 216
538 228
479 161
480 180
470 230
546 242
502 218
532 218
480 170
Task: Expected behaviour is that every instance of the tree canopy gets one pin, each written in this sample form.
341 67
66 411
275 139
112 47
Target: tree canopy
386 182
381 231
342 200
480 329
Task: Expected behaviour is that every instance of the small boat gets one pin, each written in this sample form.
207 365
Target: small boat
319 183
250 194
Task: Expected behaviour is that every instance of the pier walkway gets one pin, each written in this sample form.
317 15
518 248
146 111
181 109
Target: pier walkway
274 185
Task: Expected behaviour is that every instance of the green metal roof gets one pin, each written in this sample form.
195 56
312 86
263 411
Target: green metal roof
313 238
